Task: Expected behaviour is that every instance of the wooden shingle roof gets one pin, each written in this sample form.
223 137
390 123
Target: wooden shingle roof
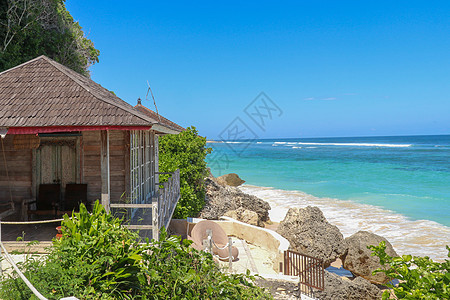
42 92
163 121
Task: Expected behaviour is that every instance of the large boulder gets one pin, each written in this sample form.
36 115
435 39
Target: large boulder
231 179
358 259
341 288
221 199
243 215
309 232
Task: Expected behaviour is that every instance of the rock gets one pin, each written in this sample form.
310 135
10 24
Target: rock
280 289
337 288
221 199
243 215
231 179
309 232
358 259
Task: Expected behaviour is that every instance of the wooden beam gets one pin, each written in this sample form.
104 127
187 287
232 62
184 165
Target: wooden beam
104 157
142 227
143 205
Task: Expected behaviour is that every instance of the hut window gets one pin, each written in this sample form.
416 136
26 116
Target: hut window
142 169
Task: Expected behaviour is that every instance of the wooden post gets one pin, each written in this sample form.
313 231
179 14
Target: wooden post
104 156
155 223
156 158
33 175
127 165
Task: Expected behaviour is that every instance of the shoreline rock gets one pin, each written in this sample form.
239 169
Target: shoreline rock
341 288
309 232
221 199
358 259
336 288
231 179
243 215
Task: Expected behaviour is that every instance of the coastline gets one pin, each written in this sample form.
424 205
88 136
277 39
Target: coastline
415 237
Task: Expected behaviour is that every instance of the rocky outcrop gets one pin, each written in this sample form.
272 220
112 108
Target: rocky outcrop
341 288
336 288
243 215
221 199
358 259
309 232
231 179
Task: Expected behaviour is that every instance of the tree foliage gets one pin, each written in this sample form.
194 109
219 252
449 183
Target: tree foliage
186 151
29 28
419 277
97 258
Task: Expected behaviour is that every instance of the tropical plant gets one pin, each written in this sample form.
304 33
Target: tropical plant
418 277
29 28
97 258
186 151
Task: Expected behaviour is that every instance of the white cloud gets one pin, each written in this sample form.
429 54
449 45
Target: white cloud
320 98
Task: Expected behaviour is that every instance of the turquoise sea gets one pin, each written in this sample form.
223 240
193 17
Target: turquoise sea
397 186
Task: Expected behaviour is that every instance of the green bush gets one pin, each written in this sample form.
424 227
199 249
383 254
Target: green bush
185 151
97 258
419 277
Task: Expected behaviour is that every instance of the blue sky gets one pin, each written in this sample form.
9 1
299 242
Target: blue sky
334 68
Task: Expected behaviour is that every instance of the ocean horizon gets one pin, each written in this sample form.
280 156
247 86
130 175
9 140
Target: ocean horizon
395 186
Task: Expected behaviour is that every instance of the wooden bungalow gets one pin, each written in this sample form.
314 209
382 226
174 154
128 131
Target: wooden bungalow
66 140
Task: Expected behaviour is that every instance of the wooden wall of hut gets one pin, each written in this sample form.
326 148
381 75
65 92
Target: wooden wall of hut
119 159
19 163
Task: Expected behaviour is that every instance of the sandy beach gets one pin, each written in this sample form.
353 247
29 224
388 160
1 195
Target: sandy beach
416 237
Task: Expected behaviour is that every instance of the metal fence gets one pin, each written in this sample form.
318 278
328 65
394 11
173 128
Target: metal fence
309 269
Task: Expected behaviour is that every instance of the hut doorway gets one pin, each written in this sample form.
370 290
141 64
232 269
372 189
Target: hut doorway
57 162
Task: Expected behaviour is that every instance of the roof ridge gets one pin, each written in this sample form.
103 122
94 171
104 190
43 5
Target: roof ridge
65 70
168 122
22 64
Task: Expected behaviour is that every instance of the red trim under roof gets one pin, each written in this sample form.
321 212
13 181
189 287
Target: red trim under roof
50 129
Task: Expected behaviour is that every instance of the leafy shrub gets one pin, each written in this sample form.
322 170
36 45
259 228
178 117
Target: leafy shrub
185 151
419 277
97 258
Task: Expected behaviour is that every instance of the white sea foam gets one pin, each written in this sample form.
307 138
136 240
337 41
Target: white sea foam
296 147
357 144
416 237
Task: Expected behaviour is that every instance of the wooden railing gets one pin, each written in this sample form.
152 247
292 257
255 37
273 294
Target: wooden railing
169 195
309 269
162 205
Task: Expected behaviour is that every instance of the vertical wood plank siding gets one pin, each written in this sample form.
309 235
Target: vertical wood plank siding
19 170
92 168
